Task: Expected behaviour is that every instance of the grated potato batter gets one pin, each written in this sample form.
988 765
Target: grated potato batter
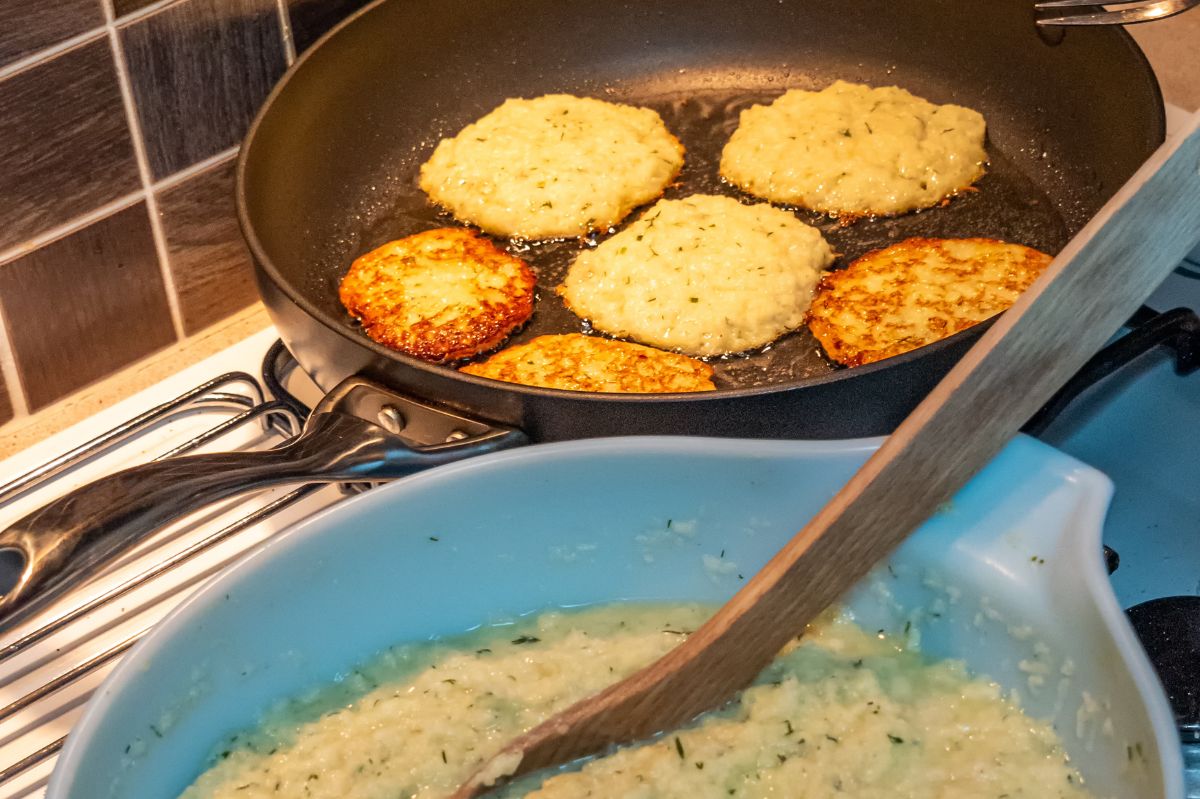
916 292
704 275
556 165
840 715
856 150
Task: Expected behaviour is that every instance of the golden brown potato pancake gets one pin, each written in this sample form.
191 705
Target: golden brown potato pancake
440 295
586 363
916 292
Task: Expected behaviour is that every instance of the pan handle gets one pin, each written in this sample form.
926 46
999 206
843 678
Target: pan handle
359 432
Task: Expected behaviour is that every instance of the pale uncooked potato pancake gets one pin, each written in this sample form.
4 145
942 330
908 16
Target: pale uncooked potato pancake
576 362
841 713
855 150
440 295
553 166
916 292
704 275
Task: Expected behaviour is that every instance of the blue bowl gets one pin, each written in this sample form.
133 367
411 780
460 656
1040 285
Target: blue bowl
1009 578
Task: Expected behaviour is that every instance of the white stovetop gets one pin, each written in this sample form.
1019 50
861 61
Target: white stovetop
48 719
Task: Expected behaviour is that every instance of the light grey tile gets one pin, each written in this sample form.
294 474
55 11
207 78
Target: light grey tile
1173 47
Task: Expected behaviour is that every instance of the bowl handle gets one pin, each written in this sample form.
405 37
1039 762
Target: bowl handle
359 432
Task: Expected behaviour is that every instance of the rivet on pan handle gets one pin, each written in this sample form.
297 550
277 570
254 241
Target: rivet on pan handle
359 432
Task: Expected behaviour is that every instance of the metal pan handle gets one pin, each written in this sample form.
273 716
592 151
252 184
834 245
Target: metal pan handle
359 432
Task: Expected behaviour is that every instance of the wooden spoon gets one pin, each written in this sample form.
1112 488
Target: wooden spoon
1093 286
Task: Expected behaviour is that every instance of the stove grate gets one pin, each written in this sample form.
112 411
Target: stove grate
51 664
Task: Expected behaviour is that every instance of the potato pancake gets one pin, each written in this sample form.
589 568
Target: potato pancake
704 275
855 150
587 363
553 166
440 295
916 292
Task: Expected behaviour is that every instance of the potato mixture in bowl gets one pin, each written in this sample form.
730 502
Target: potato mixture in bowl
841 713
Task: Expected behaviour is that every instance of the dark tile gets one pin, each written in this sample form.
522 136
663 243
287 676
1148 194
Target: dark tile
311 18
209 261
85 305
200 69
64 142
32 25
6 409
123 7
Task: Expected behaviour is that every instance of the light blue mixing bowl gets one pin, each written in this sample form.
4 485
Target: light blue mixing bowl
1009 578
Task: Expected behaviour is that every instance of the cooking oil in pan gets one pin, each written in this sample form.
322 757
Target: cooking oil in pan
1008 206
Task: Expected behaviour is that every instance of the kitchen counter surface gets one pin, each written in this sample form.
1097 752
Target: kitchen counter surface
1172 45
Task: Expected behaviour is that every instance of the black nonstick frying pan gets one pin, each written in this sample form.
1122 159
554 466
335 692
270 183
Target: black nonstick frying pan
328 172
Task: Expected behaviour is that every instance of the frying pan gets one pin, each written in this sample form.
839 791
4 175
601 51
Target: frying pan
328 171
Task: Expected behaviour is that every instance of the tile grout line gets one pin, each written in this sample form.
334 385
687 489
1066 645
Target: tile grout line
145 11
171 181
9 371
72 225
86 37
143 163
285 30
45 54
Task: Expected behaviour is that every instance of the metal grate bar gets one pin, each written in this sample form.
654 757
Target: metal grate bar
268 410
68 677
46 630
29 761
204 394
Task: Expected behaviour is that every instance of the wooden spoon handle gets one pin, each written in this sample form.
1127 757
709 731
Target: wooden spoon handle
1097 281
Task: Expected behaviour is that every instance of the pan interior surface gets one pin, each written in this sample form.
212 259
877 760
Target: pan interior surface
330 169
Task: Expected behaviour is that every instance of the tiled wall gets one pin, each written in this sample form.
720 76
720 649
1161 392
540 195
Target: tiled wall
119 125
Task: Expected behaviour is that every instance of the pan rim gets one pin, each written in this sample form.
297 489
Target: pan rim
267 267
